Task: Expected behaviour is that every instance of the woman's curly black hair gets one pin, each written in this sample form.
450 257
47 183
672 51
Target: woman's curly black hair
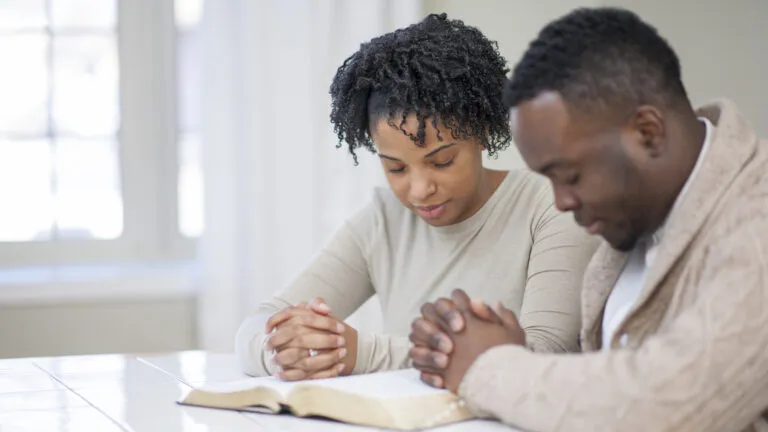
437 69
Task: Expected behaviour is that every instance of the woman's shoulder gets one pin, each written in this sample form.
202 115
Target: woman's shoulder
382 211
382 204
526 190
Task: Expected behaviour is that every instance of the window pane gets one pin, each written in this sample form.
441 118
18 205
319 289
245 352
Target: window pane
24 85
190 84
85 86
190 187
25 190
188 13
87 189
83 14
22 14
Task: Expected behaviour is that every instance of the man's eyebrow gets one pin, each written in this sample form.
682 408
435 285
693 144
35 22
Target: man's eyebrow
549 166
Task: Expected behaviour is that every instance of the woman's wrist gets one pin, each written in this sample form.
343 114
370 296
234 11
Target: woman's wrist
266 356
350 339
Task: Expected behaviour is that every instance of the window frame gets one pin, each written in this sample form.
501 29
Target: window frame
148 154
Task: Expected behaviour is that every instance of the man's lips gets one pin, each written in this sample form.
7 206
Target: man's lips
592 226
595 227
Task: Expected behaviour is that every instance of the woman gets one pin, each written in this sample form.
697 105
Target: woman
427 100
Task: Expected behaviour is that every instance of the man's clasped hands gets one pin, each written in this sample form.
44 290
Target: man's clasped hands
308 342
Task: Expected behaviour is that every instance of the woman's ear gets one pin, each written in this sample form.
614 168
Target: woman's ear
483 143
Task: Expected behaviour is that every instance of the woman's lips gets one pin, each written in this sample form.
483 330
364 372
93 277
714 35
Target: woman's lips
431 212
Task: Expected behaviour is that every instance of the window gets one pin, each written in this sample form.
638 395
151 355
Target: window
99 138
59 171
190 187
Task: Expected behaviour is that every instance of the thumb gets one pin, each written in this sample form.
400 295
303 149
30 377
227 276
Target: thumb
483 311
508 318
318 305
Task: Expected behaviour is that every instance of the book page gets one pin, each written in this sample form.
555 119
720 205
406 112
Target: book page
393 384
392 400
282 387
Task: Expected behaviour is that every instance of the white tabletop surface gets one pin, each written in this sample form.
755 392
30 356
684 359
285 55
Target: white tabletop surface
108 393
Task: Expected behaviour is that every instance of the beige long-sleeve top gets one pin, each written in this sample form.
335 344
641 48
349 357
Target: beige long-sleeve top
517 248
696 353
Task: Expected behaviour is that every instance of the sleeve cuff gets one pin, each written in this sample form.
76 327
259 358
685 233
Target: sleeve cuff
474 387
366 342
248 346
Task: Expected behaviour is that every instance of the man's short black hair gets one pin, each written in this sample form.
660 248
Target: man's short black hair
598 58
438 68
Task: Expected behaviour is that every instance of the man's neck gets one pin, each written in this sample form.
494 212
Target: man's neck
692 139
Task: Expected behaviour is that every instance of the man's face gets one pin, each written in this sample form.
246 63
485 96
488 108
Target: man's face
596 170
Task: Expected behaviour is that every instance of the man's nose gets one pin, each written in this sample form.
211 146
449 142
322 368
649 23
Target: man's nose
565 201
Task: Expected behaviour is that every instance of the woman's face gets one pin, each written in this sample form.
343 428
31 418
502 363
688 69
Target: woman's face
440 181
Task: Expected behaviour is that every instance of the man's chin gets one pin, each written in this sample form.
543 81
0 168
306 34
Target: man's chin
624 244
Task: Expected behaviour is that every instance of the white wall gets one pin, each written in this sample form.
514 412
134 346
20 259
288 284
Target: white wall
92 327
721 44
722 51
513 24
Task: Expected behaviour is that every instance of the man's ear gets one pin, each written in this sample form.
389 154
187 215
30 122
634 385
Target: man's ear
648 123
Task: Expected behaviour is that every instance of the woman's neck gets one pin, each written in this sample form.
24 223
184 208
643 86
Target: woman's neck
489 182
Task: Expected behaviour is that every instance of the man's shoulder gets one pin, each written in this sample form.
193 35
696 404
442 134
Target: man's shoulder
744 206
748 197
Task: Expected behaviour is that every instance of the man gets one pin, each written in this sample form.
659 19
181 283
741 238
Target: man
675 302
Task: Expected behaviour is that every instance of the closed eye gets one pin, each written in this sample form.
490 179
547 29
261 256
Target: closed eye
444 164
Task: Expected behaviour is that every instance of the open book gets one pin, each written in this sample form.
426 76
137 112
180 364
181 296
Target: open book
391 400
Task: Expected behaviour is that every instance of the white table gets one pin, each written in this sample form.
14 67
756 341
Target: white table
106 393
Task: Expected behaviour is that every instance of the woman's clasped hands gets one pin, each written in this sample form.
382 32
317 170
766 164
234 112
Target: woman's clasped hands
307 342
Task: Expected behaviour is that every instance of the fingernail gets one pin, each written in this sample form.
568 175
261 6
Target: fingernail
444 346
455 325
340 328
342 353
340 341
340 367
441 361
